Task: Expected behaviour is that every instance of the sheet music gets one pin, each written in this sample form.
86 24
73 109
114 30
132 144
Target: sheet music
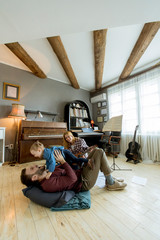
113 124
139 180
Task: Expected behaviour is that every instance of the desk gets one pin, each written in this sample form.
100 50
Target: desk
91 138
2 145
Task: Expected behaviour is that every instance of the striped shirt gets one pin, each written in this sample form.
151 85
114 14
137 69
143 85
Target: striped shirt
79 146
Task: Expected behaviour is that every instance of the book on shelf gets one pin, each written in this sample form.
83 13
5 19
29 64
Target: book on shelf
81 123
71 112
80 113
77 123
74 112
85 114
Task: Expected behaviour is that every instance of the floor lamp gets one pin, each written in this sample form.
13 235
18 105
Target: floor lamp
18 114
114 125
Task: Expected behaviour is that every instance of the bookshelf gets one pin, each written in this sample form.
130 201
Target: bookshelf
77 115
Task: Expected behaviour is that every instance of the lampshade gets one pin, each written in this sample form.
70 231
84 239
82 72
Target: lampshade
17 111
113 125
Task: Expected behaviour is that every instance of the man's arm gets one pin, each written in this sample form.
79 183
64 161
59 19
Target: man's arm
61 182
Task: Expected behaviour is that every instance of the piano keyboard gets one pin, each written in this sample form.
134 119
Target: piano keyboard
39 136
81 134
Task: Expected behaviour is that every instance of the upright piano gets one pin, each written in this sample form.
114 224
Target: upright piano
48 133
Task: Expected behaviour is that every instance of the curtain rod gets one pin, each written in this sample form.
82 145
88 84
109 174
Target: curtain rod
130 77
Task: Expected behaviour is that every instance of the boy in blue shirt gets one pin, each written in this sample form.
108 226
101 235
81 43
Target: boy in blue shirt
38 150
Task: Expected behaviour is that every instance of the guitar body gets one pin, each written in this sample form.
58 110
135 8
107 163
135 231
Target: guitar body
132 152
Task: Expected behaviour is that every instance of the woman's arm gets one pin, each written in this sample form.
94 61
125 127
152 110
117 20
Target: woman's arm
79 146
71 158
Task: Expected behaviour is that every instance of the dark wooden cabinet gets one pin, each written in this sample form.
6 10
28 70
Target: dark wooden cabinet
78 118
77 115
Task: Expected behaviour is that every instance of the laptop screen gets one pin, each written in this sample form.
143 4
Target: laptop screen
87 129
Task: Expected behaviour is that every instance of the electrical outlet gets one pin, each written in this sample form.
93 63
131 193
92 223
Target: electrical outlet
11 146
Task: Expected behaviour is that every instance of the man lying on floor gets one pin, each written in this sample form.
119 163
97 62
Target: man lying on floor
65 178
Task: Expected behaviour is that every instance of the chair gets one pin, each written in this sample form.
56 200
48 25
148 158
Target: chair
111 145
115 141
110 142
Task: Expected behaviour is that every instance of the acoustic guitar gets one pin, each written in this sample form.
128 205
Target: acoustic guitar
132 152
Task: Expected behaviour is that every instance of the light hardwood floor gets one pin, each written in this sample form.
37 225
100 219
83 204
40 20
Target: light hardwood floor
131 214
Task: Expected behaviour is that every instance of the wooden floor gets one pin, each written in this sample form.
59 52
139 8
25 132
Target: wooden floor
131 214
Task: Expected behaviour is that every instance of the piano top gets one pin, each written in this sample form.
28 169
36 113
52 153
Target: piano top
42 130
43 124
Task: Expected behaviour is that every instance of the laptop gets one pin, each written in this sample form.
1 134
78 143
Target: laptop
87 130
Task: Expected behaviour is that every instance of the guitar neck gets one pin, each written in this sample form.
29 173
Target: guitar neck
134 137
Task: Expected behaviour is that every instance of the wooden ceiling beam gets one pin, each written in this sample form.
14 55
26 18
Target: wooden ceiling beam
17 49
128 78
59 50
99 55
147 34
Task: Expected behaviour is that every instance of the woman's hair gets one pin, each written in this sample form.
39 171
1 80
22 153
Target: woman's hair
36 145
65 143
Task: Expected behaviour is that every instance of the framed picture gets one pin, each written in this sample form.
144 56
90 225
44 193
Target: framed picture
104 104
98 112
105 119
99 104
103 111
99 119
11 91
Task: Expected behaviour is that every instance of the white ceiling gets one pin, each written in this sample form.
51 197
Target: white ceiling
30 22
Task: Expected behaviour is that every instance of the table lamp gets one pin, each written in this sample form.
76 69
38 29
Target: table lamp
92 123
18 114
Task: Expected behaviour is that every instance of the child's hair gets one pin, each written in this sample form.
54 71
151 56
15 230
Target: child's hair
36 145
65 143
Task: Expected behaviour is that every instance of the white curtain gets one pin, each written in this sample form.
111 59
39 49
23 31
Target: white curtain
138 100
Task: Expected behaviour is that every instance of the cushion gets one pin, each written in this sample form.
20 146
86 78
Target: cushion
81 200
46 199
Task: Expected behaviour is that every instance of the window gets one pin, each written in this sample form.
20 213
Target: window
149 106
124 102
138 100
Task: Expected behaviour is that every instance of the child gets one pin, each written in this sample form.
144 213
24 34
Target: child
38 150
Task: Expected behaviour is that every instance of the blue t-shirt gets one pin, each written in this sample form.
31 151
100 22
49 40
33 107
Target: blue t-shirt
49 157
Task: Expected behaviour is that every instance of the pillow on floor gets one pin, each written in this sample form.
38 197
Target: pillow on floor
45 199
81 200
